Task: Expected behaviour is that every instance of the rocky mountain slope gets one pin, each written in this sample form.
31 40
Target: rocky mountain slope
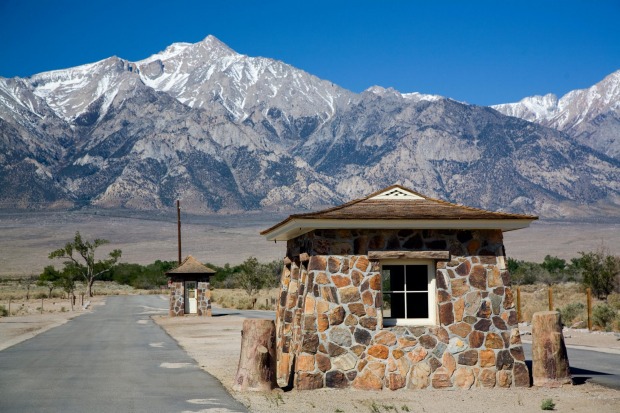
226 132
591 116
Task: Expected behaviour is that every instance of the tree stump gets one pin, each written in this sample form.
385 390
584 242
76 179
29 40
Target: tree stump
549 359
257 361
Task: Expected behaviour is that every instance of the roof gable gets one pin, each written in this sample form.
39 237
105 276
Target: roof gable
396 207
191 266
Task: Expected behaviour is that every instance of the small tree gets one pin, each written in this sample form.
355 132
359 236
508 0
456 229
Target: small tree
50 278
28 282
600 271
252 276
80 259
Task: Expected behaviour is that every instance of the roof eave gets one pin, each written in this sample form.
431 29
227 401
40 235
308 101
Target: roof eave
295 227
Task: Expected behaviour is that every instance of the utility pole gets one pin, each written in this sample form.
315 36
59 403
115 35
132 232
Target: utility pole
179 227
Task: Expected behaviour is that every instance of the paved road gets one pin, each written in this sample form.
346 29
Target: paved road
115 359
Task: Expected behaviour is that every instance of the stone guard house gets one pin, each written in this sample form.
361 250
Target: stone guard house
190 290
397 290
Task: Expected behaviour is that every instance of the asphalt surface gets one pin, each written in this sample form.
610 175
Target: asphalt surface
115 359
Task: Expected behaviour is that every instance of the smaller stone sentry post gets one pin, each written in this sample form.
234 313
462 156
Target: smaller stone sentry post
550 366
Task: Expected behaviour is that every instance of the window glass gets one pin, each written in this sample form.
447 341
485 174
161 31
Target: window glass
406 289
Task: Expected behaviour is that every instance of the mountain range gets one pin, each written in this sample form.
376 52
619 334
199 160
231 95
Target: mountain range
225 132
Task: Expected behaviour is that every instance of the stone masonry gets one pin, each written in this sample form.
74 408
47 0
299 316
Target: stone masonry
330 329
177 298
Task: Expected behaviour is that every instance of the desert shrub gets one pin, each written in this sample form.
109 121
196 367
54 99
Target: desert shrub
40 295
614 301
3 311
547 404
571 311
603 315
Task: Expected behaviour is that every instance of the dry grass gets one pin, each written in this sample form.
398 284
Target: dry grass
239 299
13 295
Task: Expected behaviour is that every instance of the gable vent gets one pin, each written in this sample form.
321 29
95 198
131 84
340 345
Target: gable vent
397 193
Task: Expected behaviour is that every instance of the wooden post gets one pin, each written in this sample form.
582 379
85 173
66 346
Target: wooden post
41 305
9 306
179 227
589 305
257 361
549 358
550 298
519 317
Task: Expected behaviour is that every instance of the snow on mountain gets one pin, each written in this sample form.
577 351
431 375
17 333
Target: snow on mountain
228 132
591 115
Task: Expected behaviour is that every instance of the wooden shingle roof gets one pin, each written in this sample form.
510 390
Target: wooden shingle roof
397 207
191 266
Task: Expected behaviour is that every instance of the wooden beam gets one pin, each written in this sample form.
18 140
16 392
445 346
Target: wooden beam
409 255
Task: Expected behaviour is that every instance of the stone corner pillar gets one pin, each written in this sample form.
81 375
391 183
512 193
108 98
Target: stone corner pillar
550 366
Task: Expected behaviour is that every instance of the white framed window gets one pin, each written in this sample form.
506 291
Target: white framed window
408 290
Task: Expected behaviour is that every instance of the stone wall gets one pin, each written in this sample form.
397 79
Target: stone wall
329 323
177 299
203 292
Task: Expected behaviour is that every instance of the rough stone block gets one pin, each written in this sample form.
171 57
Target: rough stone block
305 363
367 381
441 379
464 378
379 351
468 358
336 379
309 381
386 338
487 358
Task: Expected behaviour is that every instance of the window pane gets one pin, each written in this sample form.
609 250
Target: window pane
387 305
417 305
417 278
393 278
398 305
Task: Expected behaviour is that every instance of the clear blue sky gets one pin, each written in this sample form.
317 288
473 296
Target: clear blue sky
481 52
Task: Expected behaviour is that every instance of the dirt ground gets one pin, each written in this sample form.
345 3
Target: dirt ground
215 344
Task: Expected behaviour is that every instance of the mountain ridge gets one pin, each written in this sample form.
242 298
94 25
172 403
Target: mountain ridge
227 132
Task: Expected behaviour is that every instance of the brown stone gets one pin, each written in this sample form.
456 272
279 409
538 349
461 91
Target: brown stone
407 342
468 358
357 308
461 329
377 368
309 381
333 264
328 293
447 360
323 362
362 263
335 350
371 311
508 298
494 341
504 378
356 277
358 349
485 309
504 360
369 323
310 343
350 320
309 323
441 334
443 296
521 375
428 342
321 278
336 316
322 322
494 277
446 315
464 378
550 366
459 308
397 353
506 338
476 339
441 280
367 381
441 379
367 298
340 280
435 364
483 325
459 287
463 269
379 351
317 263
386 338
362 336
305 363
487 358
349 294
322 306
478 277
336 380
512 318
417 354
486 378
395 381
499 323
375 282
309 305
517 353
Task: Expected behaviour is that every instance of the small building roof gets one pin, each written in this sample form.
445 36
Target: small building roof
191 266
396 207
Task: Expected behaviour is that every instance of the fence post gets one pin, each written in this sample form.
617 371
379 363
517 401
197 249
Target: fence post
41 304
10 306
519 318
550 298
589 305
